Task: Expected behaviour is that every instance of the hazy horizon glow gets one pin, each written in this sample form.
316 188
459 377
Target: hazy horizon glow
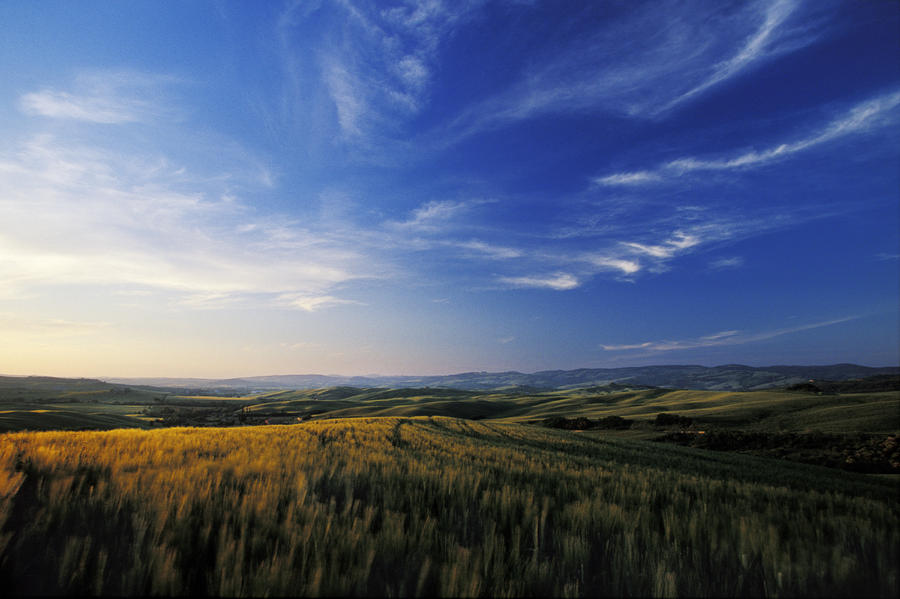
350 187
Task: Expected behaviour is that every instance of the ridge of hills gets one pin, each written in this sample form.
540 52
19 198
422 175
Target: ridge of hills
728 377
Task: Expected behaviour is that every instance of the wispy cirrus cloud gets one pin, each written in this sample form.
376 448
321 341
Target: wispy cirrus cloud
558 281
724 263
76 215
299 345
730 337
96 109
625 253
349 101
376 61
630 257
433 215
102 97
443 225
644 63
493 251
680 241
758 46
311 303
560 270
435 218
866 116
630 178
12 324
624 247
162 230
610 262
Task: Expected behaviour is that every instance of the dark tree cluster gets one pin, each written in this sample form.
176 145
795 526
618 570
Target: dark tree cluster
665 419
872 384
859 452
581 423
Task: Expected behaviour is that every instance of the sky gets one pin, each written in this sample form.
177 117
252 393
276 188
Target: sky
223 189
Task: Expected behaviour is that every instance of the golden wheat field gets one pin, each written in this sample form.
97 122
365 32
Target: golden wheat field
429 506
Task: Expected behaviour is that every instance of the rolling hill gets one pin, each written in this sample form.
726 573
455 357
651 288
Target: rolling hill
731 377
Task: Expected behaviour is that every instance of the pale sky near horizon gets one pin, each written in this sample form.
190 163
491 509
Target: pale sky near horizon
220 189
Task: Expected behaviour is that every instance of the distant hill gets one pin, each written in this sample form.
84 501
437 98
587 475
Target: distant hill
50 383
29 388
872 384
729 377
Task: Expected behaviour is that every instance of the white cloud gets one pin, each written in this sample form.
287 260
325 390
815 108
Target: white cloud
632 178
627 267
759 45
669 248
865 116
299 345
62 105
438 225
491 251
76 215
72 215
413 72
626 256
434 211
720 335
346 94
723 263
642 62
311 303
436 215
657 251
557 281
723 338
625 347
103 97
376 63
50 327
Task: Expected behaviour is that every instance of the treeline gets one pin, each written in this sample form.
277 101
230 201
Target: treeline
872 384
614 422
858 452
581 423
220 417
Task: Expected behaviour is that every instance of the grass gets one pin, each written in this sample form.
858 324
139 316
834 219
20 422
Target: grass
430 506
441 492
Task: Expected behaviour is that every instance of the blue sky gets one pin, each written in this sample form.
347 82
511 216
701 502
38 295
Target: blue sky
239 188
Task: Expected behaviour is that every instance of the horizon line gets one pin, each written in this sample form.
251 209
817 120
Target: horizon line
449 374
